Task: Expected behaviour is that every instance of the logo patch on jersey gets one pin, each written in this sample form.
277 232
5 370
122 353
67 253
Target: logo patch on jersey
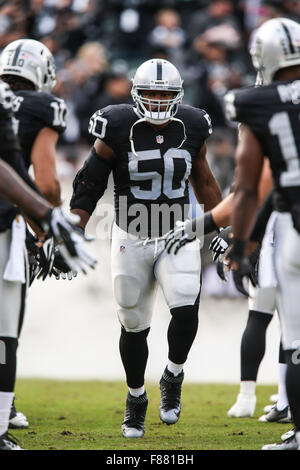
160 139
122 249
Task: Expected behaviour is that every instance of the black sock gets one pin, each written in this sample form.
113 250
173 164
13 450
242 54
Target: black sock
182 331
293 384
253 344
134 355
8 363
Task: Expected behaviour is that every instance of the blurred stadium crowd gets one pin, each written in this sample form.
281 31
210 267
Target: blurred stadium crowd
97 45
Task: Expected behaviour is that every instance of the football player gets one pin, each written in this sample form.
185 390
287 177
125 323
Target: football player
270 115
261 304
51 222
39 117
152 155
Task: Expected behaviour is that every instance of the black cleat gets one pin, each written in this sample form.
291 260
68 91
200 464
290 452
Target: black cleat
7 442
275 416
170 404
135 413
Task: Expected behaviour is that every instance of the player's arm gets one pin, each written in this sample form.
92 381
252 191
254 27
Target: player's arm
249 163
206 188
16 191
249 160
43 161
91 181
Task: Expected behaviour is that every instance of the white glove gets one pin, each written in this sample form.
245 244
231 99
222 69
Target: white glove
69 238
220 243
6 96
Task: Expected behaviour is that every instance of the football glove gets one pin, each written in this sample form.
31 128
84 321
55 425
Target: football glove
46 258
61 270
253 264
243 268
220 243
69 238
177 238
221 270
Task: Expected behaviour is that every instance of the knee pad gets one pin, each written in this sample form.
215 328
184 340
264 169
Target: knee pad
130 320
127 293
127 290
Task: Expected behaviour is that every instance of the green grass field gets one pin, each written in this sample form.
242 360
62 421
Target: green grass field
88 415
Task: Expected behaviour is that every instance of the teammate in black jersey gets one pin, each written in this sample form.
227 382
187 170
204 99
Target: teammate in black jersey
153 148
28 67
50 221
270 120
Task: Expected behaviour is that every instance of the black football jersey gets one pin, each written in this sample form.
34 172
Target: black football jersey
272 113
32 111
157 175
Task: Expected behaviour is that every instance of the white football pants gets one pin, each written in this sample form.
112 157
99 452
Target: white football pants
287 272
139 265
11 294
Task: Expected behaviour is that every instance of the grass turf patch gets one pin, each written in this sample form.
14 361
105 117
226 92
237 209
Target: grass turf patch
88 415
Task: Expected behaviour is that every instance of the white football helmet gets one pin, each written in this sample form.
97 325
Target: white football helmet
276 45
29 59
157 74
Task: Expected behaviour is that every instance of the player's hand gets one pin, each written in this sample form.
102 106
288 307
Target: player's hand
253 263
220 243
32 254
177 238
45 258
61 270
69 238
221 270
240 266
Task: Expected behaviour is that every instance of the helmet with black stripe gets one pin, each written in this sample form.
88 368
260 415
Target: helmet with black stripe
276 45
157 75
31 60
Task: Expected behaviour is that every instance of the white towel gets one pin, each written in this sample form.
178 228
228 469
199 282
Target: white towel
15 266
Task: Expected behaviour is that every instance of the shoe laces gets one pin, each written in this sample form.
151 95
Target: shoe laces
135 411
170 394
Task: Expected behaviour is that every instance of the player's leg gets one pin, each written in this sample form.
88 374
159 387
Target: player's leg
17 419
179 277
10 294
134 288
261 309
279 412
287 265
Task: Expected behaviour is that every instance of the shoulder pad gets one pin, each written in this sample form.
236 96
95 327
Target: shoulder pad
47 107
105 122
249 101
196 119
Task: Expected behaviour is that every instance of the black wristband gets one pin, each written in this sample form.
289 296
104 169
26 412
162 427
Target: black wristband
209 223
238 248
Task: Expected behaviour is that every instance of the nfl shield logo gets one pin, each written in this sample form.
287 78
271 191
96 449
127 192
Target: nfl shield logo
159 139
122 249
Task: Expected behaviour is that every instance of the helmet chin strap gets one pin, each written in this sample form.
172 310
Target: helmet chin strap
145 120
